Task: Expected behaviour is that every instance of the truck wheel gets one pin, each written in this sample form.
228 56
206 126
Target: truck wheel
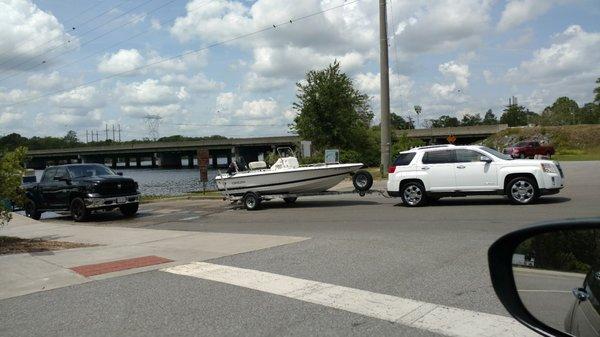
31 210
78 210
413 194
362 180
129 210
290 200
251 201
522 190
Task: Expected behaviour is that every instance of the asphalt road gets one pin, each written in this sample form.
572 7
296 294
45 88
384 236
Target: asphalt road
435 254
547 294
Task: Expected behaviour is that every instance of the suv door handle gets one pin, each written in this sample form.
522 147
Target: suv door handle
461 166
425 168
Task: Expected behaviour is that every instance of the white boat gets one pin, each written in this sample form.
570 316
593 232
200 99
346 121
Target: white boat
286 176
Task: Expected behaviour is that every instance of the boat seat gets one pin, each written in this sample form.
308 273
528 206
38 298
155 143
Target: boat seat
257 165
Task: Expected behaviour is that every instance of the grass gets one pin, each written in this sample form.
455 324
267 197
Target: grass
577 154
14 245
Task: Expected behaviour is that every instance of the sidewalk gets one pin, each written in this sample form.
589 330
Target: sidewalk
32 272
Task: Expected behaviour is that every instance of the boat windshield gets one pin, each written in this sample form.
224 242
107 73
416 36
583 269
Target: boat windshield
285 152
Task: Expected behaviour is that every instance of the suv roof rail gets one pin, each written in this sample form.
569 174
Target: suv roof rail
433 146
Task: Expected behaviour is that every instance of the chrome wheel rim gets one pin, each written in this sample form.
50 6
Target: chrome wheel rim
29 209
77 210
522 191
250 202
413 195
361 181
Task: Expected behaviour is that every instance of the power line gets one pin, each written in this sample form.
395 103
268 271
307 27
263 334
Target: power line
15 67
216 44
109 47
58 37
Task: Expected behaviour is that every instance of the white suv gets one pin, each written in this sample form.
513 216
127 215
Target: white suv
432 172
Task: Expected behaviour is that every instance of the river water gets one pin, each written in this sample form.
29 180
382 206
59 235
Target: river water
164 181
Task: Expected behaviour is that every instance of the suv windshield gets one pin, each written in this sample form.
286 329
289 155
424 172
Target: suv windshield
90 171
495 153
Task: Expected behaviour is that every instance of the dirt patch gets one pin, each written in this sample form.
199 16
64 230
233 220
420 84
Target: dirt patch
14 245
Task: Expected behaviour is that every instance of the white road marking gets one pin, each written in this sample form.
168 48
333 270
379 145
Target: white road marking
190 218
427 316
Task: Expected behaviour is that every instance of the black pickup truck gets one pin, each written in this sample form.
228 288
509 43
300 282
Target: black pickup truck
81 189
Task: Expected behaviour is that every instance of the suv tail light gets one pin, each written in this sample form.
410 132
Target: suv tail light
391 169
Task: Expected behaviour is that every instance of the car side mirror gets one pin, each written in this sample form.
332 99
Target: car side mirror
542 276
485 159
120 173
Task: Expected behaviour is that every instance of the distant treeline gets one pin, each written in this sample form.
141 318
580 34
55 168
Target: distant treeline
15 140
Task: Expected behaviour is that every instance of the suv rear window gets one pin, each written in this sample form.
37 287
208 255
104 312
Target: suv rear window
439 157
404 159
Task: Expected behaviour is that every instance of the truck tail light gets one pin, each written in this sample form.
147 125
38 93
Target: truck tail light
391 169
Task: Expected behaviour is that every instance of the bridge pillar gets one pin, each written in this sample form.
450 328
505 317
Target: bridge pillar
138 162
190 161
153 158
214 161
170 160
114 161
127 162
36 164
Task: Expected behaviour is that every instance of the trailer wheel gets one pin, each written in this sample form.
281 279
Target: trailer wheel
362 181
251 201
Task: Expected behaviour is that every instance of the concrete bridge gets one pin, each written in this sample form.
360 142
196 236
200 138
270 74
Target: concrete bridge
162 154
463 134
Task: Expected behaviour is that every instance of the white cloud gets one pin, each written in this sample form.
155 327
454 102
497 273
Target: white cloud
518 12
444 25
254 82
125 60
256 110
80 99
198 83
520 41
369 83
488 76
460 72
9 117
575 52
148 92
25 31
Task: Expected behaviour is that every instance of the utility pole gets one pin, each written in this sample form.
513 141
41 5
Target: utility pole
113 127
106 132
119 133
86 135
385 88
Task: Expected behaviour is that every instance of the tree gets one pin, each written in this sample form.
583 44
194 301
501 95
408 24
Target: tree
71 138
597 92
470 120
398 122
490 118
445 121
588 114
331 112
514 115
562 112
11 175
12 141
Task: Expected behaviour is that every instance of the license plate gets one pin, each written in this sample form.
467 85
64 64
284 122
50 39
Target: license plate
121 200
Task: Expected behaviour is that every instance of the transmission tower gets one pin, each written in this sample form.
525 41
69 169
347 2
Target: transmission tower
152 124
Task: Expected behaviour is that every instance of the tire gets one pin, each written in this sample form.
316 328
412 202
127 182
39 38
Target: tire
129 210
522 156
251 201
31 210
290 200
522 191
413 194
362 181
79 211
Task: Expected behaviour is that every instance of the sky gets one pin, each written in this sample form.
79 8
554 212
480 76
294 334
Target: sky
208 67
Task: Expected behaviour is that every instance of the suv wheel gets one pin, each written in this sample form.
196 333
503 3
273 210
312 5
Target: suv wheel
79 211
413 194
31 210
522 191
129 210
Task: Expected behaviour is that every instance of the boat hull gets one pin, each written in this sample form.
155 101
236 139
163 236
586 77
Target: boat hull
292 181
